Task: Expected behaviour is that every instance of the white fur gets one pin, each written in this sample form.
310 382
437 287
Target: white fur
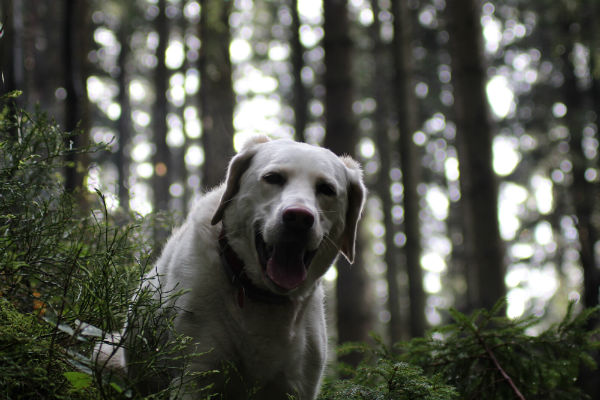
279 347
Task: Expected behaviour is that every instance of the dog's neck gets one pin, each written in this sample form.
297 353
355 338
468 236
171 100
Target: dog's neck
234 268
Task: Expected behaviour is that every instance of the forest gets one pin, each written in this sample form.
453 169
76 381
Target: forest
476 123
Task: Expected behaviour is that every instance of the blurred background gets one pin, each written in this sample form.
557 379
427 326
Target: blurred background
476 123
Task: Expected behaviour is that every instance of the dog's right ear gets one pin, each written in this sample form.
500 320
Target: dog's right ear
237 166
356 201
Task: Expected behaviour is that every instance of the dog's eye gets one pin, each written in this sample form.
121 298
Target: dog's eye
274 178
326 189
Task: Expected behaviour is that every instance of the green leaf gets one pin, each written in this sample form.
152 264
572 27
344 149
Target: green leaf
14 94
78 380
116 387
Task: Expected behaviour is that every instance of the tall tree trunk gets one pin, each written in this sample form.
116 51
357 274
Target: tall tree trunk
583 192
124 122
75 35
590 35
179 165
384 147
12 49
299 96
409 162
162 158
216 90
8 47
354 315
479 188
10 56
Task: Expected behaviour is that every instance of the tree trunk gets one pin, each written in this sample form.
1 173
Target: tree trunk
162 158
381 119
8 47
479 191
216 90
590 35
354 315
583 192
124 122
75 34
299 96
178 153
10 57
409 162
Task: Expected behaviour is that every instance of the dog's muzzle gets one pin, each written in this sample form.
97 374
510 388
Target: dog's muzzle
286 261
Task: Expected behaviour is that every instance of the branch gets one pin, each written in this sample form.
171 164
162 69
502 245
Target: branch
498 366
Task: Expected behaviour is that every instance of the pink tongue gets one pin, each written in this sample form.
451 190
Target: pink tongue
286 266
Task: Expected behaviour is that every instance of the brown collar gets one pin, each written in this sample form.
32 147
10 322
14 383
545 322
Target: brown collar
234 268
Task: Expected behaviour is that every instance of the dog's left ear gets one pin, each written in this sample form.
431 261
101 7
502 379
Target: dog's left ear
237 166
356 200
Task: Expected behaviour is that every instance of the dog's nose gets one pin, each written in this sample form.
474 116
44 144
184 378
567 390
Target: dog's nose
298 218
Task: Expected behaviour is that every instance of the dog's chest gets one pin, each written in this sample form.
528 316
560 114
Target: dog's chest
264 357
265 338
275 342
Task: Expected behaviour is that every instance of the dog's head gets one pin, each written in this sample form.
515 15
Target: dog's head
289 208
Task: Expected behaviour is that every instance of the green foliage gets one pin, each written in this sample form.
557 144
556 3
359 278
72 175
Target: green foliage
481 356
382 376
488 355
27 369
62 265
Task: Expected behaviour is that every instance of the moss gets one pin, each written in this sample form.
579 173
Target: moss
27 368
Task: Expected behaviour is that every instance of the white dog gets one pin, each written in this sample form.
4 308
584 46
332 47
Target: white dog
250 256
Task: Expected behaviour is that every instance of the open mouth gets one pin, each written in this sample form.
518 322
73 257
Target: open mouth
285 262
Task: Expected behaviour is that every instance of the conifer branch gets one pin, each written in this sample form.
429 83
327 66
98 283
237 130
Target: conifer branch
498 366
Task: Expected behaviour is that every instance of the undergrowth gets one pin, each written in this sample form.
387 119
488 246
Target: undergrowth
69 277
479 356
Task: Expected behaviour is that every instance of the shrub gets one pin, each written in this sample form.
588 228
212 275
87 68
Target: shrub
68 278
486 355
481 356
382 375
27 371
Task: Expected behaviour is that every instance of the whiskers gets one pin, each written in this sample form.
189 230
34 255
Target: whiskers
323 212
328 242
